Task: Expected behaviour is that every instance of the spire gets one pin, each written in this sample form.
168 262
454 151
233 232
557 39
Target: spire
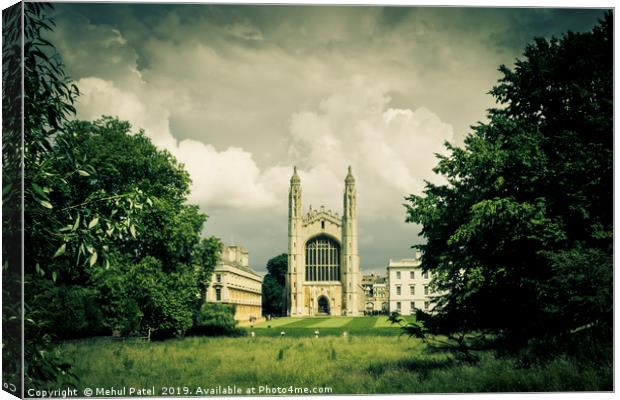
295 177
349 180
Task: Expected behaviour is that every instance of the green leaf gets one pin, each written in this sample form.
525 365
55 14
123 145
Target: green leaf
77 223
46 204
83 173
39 190
54 276
132 229
6 189
61 250
107 264
93 259
93 223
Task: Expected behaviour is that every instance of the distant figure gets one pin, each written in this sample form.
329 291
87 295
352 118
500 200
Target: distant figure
252 334
316 333
345 334
282 333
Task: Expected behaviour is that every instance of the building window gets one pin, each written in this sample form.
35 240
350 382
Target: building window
411 274
426 289
218 294
218 277
426 304
425 275
322 224
398 305
397 274
412 305
412 290
398 290
322 260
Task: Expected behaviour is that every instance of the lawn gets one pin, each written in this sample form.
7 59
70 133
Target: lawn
327 326
368 364
373 358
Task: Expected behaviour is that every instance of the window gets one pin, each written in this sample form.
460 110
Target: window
412 305
218 277
425 275
218 294
397 274
412 290
426 304
411 274
426 289
398 290
322 260
322 224
398 305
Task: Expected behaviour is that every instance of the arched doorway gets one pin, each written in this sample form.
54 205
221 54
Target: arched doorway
323 305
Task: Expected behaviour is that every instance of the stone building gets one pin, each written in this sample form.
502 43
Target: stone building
375 294
408 286
234 282
323 276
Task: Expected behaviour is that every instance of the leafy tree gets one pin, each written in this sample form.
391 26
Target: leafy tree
520 237
273 285
48 98
154 266
88 212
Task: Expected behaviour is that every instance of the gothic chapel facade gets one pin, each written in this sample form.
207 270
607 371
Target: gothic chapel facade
323 276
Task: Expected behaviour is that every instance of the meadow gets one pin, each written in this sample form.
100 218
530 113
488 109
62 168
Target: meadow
385 362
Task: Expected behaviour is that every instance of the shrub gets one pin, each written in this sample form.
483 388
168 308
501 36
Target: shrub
216 319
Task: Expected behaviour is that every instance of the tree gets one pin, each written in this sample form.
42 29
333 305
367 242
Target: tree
520 237
151 269
48 98
97 200
273 285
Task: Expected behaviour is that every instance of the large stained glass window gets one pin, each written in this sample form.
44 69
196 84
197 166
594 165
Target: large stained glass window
322 259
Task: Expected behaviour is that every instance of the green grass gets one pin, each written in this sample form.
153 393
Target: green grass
355 364
327 326
329 322
333 322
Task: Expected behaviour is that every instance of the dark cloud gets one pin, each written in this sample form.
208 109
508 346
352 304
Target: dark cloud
241 93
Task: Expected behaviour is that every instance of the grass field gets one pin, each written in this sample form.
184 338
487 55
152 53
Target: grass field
344 365
328 326
359 363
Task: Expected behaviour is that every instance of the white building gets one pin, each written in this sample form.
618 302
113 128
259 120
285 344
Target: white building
323 276
409 287
234 282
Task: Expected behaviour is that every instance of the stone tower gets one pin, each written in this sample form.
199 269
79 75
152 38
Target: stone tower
293 275
323 274
350 258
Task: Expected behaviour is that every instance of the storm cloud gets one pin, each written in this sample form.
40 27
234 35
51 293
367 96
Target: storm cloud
240 94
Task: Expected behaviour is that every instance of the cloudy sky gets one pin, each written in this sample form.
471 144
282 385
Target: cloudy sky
240 94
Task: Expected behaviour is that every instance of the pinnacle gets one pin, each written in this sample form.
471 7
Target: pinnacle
349 179
295 177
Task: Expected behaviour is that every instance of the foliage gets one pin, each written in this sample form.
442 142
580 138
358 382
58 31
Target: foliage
520 237
142 298
216 319
100 204
141 243
273 285
48 99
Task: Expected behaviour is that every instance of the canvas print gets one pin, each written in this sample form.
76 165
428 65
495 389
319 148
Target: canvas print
287 200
